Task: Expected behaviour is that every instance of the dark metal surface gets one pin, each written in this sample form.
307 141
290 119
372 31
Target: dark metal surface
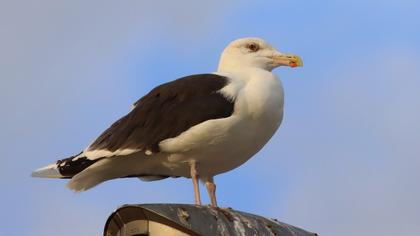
201 220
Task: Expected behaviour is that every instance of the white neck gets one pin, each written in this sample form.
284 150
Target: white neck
230 64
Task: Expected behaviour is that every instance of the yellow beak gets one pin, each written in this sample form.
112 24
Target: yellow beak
287 60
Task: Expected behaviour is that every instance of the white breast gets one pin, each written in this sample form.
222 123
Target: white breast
223 144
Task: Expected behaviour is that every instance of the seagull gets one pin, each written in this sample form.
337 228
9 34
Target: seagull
196 126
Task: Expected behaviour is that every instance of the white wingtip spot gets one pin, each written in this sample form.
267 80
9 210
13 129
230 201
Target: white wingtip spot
148 152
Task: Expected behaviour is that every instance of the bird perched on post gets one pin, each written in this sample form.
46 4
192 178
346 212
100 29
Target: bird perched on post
196 127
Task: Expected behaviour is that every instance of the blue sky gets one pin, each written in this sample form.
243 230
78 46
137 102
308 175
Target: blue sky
344 162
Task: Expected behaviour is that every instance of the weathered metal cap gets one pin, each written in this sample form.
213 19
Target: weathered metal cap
182 219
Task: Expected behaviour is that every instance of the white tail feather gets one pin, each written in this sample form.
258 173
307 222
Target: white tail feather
49 171
92 176
107 169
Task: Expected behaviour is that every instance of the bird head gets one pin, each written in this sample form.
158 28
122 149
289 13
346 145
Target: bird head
257 53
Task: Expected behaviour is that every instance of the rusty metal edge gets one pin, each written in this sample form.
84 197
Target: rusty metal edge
152 216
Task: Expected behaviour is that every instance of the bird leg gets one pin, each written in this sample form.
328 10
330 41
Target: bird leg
211 190
194 177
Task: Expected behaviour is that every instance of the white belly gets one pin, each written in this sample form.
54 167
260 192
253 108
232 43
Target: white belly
224 144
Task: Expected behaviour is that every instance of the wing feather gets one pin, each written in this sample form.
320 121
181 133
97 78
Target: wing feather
165 112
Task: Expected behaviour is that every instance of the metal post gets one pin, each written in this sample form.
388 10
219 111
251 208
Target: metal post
182 219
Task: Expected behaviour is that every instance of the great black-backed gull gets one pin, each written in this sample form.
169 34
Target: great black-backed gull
196 127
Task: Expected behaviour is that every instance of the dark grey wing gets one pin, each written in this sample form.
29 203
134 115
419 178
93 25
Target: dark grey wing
167 111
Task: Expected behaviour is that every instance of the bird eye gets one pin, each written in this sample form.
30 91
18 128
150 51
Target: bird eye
253 47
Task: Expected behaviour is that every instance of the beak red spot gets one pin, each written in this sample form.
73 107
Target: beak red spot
293 64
